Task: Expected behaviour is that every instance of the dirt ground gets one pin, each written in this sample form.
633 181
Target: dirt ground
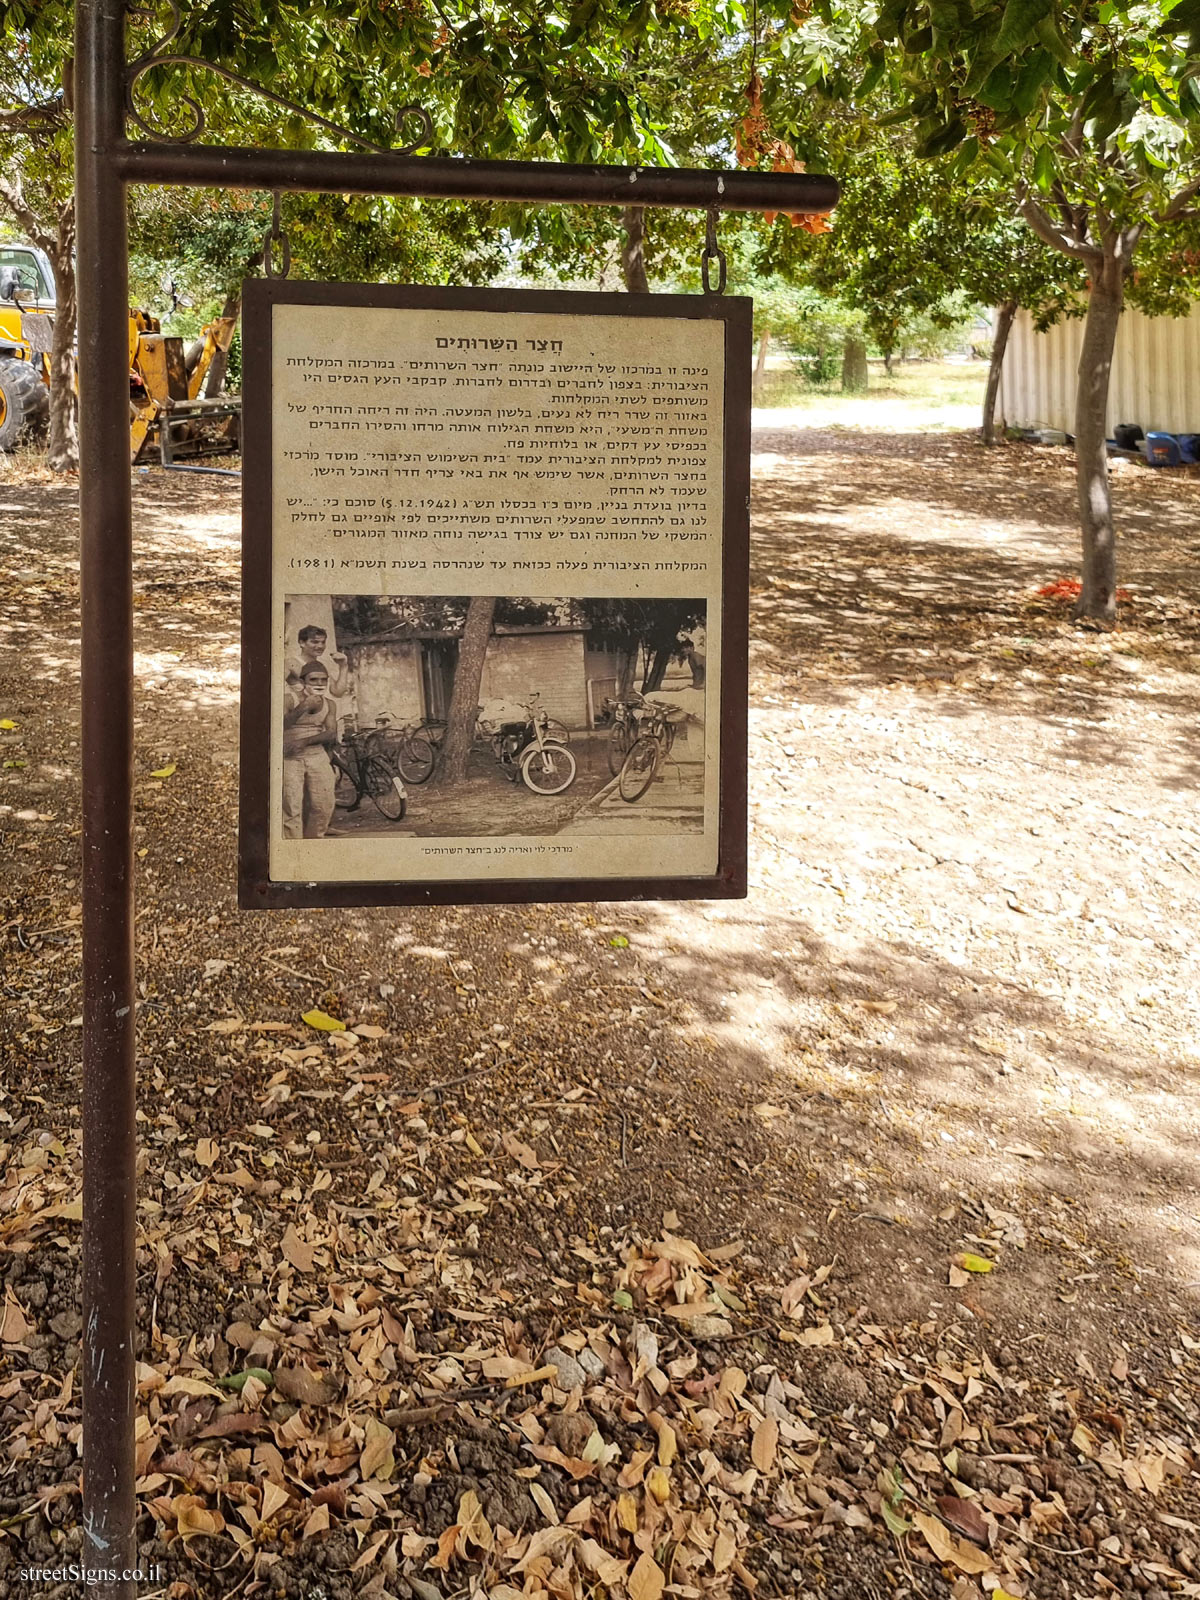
842 1242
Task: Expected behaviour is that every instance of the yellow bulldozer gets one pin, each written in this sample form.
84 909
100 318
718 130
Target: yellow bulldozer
165 376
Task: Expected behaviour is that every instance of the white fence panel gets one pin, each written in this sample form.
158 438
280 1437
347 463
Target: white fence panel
1155 377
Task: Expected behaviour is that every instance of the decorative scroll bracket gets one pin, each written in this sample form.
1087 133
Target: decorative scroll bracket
159 55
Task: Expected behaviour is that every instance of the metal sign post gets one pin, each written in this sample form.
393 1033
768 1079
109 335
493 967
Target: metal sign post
106 161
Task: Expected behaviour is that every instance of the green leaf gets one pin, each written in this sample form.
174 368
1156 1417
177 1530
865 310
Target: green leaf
899 1525
966 156
997 91
623 1300
873 76
237 1380
619 942
1031 79
944 139
1048 34
1043 168
970 1263
1019 24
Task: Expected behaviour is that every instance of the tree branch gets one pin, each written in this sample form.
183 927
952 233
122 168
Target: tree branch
12 196
1177 206
20 119
1046 229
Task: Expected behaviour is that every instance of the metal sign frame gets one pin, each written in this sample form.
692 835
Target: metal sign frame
106 162
258 890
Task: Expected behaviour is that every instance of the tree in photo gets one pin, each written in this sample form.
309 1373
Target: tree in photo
641 629
464 701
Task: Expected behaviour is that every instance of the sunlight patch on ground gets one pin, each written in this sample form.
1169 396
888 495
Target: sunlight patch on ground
871 415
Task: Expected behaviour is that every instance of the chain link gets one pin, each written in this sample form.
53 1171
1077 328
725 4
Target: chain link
276 236
713 252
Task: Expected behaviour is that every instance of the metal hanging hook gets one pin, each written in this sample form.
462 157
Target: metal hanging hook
276 236
713 252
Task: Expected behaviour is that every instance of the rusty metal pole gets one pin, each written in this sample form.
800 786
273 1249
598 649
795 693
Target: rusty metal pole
106 583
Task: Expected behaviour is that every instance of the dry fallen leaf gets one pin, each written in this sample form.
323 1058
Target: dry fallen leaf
306 1387
15 1326
668 1444
1084 1440
646 1581
627 1512
193 1517
472 1522
965 1517
947 1548
597 1560
546 1506
377 1459
297 1252
193 1386
318 1521
445 1549
275 1498
823 1334
207 1151
764 1444
658 1483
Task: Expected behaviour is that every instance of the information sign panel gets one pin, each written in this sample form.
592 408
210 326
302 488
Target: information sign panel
514 517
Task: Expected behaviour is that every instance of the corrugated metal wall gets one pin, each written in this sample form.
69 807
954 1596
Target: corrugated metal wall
1155 378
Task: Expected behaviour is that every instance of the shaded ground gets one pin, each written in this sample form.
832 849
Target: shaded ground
726 1160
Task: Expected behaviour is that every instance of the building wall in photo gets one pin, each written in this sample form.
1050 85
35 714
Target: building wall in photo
1155 376
387 679
550 662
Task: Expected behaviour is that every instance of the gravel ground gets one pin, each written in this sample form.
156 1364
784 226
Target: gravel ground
893 1163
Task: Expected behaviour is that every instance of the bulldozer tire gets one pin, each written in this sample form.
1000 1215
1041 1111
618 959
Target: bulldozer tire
24 402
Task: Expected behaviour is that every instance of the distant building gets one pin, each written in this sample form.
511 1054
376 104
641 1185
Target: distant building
1155 375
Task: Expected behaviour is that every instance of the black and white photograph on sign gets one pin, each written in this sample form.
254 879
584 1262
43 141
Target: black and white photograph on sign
577 716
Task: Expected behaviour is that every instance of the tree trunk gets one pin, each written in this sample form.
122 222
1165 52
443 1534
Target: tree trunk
1004 322
887 362
468 674
656 671
625 675
1106 294
854 365
62 450
760 366
215 381
633 251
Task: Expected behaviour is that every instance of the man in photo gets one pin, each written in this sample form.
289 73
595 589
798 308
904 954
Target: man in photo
695 659
309 733
311 642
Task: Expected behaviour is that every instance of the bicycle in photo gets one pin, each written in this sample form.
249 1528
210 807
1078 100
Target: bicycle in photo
413 748
623 729
362 771
526 749
657 725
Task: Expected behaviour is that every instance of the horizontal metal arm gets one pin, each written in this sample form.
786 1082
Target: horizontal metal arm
442 177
